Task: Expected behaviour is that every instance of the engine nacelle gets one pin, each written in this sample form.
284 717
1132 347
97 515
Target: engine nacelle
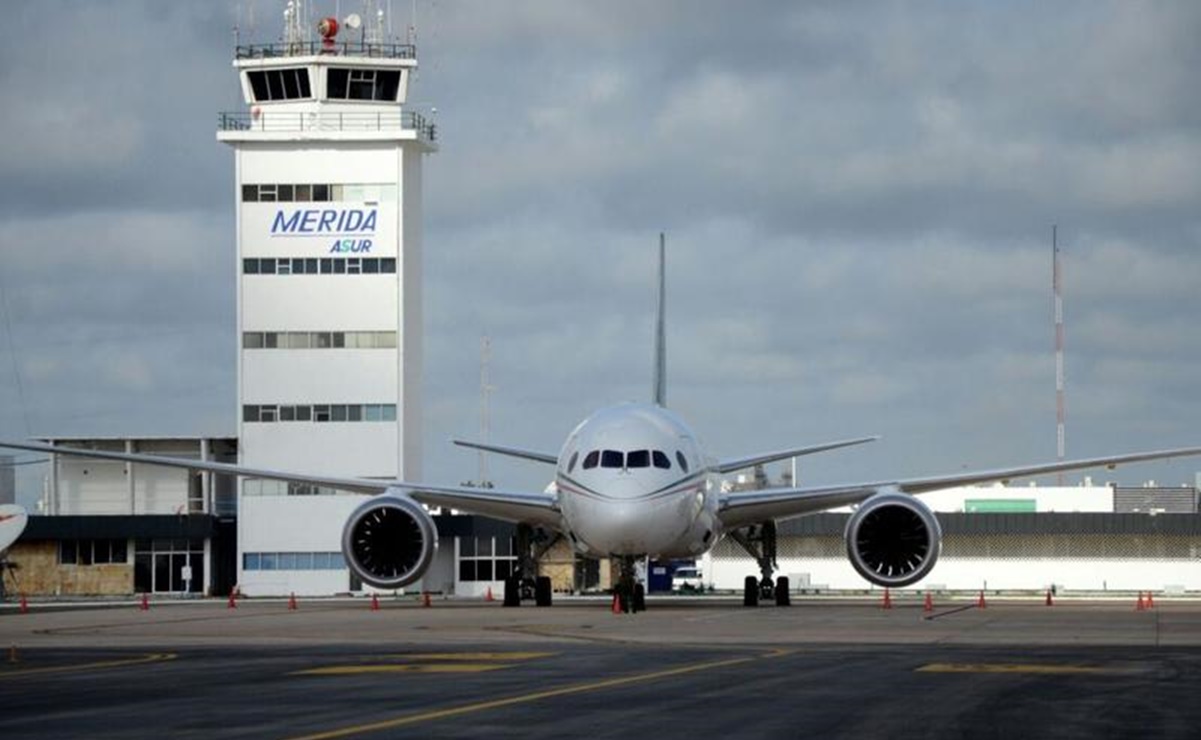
389 541
893 539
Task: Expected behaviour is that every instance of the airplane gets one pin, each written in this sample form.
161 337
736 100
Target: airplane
13 519
632 481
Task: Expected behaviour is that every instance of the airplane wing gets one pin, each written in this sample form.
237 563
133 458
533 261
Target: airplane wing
738 463
741 508
510 451
515 506
13 519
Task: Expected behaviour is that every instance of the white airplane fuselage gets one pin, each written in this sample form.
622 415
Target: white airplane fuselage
632 480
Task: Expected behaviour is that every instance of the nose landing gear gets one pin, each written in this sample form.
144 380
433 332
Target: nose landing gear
760 542
525 584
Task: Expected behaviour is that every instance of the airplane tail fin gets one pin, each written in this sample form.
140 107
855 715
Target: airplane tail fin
660 388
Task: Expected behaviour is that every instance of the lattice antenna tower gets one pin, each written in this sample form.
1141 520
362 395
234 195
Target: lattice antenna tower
1057 290
296 24
486 389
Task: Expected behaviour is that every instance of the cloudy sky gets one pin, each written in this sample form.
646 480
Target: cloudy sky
858 200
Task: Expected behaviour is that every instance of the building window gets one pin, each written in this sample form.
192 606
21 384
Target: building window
293 561
486 558
93 552
290 83
319 340
319 266
265 414
362 84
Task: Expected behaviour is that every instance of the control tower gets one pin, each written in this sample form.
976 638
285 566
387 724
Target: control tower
328 169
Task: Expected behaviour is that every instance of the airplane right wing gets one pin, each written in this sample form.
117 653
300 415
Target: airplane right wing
742 508
738 463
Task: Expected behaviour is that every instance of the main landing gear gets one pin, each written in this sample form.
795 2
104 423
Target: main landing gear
524 583
760 542
630 594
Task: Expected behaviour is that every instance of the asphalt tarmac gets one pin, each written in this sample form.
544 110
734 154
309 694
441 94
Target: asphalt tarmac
684 668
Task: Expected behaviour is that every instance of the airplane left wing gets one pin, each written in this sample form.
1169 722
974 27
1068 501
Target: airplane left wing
543 457
515 506
742 508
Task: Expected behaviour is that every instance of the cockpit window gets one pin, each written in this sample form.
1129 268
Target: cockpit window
682 461
638 459
612 459
661 460
591 459
571 463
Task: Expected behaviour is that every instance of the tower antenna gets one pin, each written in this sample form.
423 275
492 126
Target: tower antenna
1057 290
486 389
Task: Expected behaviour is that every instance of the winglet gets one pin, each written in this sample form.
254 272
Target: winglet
660 329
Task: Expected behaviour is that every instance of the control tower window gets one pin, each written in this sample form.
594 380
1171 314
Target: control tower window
363 84
280 84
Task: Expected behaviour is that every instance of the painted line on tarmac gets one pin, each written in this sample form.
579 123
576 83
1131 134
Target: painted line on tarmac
949 612
360 670
98 665
413 719
470 656
466 662
1023 668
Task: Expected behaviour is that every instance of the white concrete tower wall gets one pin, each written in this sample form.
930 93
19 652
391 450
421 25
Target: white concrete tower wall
328 189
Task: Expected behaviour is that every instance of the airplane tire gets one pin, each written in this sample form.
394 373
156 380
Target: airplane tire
639 604
783 598
542 591
750 592
512 592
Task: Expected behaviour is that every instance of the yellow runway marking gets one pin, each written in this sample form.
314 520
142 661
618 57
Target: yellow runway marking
469 656
354 670
150 658
412 719
1008 668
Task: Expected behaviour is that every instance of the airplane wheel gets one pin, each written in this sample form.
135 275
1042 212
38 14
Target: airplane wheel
512 592
639 598
783 598
750 592
767 590
542 591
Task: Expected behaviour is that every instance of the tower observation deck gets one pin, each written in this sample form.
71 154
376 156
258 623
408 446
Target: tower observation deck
328 166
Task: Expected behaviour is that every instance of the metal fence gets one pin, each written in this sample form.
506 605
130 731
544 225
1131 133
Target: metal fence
292 121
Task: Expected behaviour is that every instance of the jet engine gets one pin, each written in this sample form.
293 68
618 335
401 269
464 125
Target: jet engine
893 539
389 541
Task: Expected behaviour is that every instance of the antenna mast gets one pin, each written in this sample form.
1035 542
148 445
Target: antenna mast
485 396
1057 289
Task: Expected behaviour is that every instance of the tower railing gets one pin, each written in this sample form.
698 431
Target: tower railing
332 121
316 48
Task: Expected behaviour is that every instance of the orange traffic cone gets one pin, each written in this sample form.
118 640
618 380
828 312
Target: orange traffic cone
144 606
1150 601
887 600
488 596
233 601
374 602
1049 601
425 598
980 602
1140 605
616 603
929 605
292 602
24 605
